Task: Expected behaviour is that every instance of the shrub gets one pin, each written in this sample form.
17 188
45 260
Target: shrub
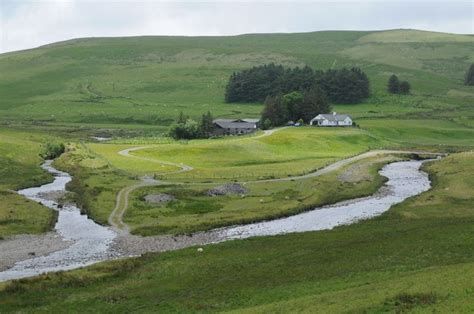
52 150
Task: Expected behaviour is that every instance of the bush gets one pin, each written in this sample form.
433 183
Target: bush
52 150
187 130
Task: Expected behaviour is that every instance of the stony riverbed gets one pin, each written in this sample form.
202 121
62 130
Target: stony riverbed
78 241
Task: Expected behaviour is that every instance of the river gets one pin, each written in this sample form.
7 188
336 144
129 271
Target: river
92 243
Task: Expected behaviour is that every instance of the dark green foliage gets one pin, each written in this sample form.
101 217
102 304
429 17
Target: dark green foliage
314 102
393 84
266 124
292 101
52 150
295 106
255 84
404 87
207 126
344 85
187 130
275 111
469 79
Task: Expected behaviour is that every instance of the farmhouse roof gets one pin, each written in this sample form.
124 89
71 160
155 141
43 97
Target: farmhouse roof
333 117
236 123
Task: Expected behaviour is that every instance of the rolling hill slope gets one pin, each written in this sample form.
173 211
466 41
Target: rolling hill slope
149 80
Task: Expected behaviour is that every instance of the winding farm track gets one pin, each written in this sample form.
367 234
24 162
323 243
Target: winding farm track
116 217
121 202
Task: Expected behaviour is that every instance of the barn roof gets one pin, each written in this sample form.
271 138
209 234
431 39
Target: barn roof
236 123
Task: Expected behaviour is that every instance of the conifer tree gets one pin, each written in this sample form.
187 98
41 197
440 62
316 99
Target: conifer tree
469 79
404 87
393 84
207 125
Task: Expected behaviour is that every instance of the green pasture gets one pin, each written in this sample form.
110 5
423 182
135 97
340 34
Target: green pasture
110 153
95 183
422 132
193 210
417 257
19 168
149 80
289 151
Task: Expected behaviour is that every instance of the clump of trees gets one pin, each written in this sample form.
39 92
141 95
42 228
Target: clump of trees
395 86
255 84
469 78
52 150
294 106
186 128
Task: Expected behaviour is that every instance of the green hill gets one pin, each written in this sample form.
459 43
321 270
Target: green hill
149 80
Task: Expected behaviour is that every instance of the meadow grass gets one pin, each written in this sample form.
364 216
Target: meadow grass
418 256
19 168
149 80
422 132
95 182
193 210
287 152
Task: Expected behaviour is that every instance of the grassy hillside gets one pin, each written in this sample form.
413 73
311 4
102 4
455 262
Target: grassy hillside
419 256
149 80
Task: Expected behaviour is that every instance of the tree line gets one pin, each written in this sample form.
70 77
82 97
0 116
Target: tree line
295 106
255 84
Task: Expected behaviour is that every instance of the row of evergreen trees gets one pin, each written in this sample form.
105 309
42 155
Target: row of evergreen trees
186 128
255 84
295 106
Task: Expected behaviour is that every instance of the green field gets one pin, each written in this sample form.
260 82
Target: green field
149 80
287 152
193 210
19 168
419 256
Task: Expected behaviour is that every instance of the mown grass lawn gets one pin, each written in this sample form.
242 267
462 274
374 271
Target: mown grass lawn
418 256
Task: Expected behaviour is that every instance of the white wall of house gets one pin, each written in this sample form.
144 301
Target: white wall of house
319 120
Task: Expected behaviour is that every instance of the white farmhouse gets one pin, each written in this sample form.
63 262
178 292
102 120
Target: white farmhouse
331 119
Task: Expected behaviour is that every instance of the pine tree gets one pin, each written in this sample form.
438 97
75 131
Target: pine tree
469 79
393 84
314 102
275 111
207 125
404 87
